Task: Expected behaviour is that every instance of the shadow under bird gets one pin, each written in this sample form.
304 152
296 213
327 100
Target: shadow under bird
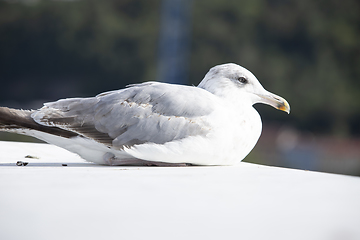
156 123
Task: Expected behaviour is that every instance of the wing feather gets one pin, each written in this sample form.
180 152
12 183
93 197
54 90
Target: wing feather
149 112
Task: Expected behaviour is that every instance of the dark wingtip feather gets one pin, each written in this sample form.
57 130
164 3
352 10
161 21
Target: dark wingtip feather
11 119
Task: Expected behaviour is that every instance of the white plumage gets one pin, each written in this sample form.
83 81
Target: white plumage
212 124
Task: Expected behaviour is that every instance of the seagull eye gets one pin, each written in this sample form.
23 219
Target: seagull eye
242 80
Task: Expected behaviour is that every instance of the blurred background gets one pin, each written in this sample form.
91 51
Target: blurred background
305 51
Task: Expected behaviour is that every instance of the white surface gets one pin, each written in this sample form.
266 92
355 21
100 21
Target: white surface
45 200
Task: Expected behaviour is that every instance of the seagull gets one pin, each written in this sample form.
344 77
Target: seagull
156 123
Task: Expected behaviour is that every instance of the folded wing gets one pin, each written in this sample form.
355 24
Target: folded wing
143 113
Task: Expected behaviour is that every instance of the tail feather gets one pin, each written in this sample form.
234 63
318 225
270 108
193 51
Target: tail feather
15 119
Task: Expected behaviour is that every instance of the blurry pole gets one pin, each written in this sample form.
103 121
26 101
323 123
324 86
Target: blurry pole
174 41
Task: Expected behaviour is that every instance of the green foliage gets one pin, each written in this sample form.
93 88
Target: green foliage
306 51
77 48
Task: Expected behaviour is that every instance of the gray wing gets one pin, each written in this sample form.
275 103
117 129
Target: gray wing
148 112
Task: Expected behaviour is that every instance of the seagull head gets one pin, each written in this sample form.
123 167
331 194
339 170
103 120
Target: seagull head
236 83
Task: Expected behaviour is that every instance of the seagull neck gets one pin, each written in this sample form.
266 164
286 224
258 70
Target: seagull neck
232 98
215 88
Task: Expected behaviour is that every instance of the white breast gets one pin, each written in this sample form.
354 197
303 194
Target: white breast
232 136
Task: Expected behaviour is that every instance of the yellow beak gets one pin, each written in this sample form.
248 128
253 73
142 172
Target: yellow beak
275 101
